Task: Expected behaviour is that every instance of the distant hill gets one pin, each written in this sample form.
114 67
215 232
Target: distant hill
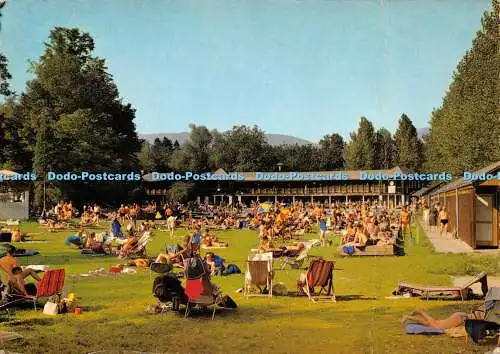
422 132
272 139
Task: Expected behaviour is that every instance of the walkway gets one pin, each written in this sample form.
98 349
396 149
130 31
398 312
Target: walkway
446 244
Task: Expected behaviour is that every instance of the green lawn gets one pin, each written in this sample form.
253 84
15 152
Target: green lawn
361 321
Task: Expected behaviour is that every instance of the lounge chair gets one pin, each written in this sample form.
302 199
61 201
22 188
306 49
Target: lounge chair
50 285
297 261
319 275
464 292
139 250
259 273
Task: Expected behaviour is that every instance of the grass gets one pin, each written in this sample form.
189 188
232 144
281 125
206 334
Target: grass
362 320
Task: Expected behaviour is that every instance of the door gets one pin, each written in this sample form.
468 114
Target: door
484 220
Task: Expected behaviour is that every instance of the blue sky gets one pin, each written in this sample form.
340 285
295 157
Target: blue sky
303 68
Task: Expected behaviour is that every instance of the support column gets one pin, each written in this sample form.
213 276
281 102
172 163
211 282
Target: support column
293 199
346 199
329 200
363 198
276 199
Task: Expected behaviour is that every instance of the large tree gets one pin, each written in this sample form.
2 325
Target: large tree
73 96
385 149
465 129
240 149
331 151
409 147
360 150
197 149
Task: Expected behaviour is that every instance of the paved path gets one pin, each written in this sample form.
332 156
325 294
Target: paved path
445 244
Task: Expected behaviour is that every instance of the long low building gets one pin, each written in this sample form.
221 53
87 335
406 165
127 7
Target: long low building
473 207
320 186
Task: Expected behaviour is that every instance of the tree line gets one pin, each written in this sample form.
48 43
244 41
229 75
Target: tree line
70 117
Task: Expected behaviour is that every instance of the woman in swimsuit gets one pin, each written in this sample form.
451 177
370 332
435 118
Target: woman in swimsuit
423 318
443 219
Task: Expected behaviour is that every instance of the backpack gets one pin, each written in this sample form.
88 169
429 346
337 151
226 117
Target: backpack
231 269
167 287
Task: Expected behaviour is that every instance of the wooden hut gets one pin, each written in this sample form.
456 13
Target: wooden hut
473 206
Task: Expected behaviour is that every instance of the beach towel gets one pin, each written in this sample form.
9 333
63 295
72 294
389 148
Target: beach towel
419 329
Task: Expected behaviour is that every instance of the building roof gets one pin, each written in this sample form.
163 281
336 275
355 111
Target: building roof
462 182
426 190
352 174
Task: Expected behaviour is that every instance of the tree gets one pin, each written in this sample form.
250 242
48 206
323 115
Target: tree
331 150
5 76
146 157
385 149
180 191
465 129
409 148
240 149
92 129
360 151
161 152
198 148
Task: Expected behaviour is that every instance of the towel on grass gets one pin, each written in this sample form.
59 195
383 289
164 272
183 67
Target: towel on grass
419 329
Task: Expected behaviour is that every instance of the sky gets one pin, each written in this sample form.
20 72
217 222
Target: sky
302 68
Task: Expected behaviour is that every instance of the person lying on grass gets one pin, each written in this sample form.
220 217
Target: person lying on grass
210 240
176 255
18 236
16 275
422 318
78 240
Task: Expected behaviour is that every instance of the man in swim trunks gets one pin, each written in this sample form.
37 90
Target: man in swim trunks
443 220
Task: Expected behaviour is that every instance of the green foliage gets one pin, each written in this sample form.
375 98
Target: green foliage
409 148
240 149
331 150
73 111
360 150
5 76
180 191
465 130
385 149
198 148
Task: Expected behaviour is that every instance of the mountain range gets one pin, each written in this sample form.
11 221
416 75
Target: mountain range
272 139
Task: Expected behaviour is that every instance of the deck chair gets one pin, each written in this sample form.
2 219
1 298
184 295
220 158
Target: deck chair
319 275
204 299
464 291
51 284
259 273
297 261
139 250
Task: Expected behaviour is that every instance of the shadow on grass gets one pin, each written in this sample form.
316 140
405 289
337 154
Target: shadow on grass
33 322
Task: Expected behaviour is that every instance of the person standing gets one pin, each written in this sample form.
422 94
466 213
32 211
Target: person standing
426 214
322 231
443 221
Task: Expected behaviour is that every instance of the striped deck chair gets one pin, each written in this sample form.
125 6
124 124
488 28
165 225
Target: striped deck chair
51 284
319 275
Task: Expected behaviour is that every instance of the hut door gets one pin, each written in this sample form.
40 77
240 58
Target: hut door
484 220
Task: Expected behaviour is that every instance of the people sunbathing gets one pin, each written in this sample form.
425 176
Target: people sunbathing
422 318
16 275
209 240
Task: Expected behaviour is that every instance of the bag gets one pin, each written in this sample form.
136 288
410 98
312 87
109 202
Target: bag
227 303
50 308
349 250
194 267
231 269
167 287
